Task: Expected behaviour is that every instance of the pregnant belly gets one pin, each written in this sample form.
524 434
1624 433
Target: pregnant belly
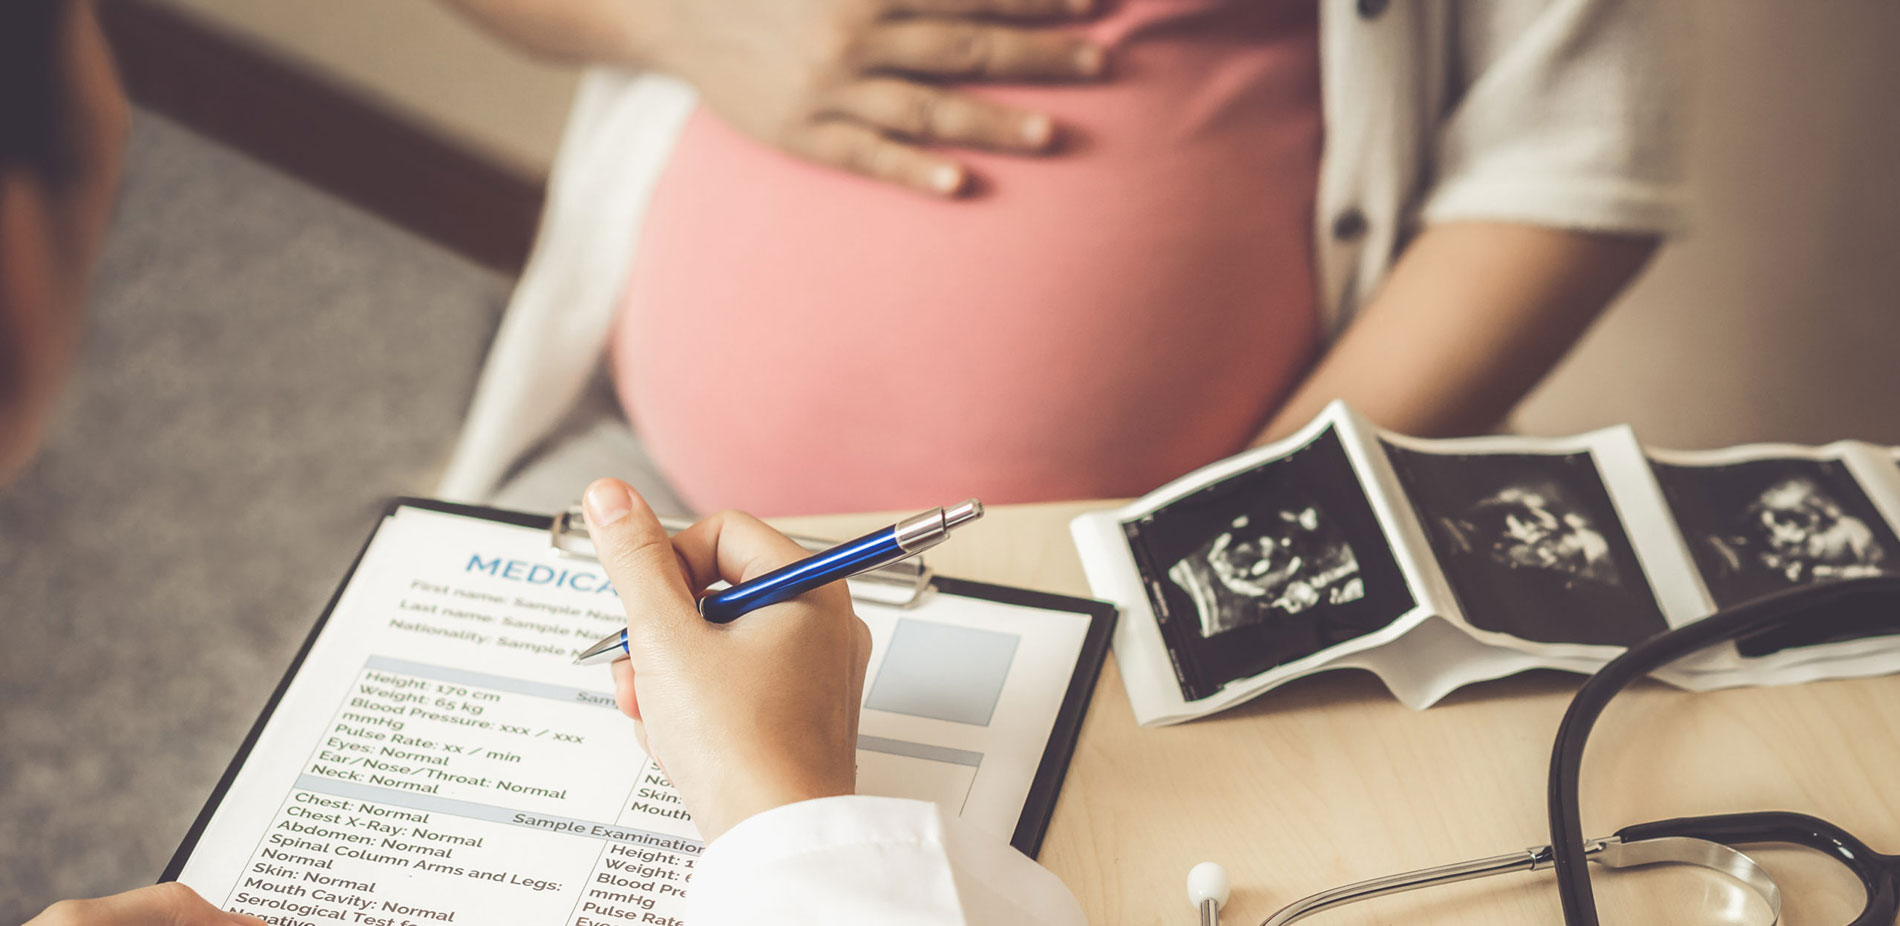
1090 325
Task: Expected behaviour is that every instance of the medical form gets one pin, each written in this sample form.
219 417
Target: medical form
434 756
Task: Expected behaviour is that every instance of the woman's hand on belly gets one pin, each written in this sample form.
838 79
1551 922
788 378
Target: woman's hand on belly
851 84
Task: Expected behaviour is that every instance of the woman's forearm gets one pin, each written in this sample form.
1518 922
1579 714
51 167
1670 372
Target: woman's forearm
619 32
1472 317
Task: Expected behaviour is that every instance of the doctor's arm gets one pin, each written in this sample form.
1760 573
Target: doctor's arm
1471 318
755 723
849 84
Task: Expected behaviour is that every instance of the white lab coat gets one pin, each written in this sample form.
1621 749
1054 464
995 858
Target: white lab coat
1563 113
870 861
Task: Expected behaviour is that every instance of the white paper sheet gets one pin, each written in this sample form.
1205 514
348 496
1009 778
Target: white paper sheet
437 757
1438 563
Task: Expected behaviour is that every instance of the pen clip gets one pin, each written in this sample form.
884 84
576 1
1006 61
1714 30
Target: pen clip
903 583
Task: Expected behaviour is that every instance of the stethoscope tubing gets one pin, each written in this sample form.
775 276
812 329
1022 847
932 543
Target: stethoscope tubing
1566 763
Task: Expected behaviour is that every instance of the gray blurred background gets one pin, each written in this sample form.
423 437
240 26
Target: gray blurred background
266 363
263 365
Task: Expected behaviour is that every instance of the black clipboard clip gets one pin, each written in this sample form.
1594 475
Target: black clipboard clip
904 583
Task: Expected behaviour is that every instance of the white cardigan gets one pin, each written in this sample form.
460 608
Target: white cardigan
1560 113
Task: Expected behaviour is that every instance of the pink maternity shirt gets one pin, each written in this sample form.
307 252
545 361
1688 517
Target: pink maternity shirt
1092 324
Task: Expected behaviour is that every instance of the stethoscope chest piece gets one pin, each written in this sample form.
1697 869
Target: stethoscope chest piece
1208 886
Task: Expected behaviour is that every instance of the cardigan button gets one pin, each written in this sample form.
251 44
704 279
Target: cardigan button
1370 9
1349 226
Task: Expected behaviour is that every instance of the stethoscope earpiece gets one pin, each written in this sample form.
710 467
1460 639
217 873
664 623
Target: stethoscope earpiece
1208 886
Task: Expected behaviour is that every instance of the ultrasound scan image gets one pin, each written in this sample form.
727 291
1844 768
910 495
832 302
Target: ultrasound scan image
1531 545
1798 531
1534 526
1758 527
1267 566
1283 563
1761 526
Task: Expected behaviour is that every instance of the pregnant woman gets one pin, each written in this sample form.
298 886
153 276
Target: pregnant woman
1034 250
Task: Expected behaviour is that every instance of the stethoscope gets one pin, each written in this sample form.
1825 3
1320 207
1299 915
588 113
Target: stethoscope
1699 841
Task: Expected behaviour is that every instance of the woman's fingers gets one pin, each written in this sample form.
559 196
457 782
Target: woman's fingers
966 50
998 9
928 114
860 149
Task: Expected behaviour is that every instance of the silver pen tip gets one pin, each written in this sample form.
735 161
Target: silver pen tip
962 512
606 650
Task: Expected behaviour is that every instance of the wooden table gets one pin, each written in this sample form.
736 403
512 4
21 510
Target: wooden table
1329 780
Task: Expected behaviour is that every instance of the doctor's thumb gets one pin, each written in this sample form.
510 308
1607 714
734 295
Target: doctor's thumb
639 559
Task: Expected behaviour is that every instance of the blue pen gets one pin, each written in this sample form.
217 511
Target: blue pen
906 538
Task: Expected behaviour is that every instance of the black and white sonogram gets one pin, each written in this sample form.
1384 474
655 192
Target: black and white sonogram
1284 562
1531 545
1761 526
1267 566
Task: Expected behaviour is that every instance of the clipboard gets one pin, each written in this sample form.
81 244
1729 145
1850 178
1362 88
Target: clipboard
1037 808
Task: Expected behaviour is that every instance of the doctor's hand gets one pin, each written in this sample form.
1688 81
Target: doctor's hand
169 904
744 716
853 84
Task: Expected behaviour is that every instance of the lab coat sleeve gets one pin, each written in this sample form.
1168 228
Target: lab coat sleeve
843 861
